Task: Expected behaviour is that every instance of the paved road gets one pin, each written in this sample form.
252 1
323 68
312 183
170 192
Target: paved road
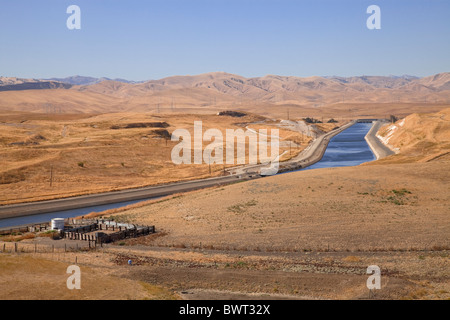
33 208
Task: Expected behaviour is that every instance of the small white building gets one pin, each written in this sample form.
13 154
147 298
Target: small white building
57 224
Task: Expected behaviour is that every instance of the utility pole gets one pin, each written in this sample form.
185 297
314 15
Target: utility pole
209 161
159 101
51 175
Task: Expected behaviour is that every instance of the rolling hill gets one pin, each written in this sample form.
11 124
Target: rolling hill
210 92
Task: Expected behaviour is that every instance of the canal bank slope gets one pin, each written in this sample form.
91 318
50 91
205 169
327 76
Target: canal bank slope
379 149
311 155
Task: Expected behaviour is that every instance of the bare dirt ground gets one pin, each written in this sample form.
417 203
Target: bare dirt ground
175 273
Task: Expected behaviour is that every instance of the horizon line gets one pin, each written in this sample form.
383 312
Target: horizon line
212 72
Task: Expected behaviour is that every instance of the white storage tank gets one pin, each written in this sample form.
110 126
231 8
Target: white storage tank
57 224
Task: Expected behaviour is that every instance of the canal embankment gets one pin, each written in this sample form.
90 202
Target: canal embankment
379 149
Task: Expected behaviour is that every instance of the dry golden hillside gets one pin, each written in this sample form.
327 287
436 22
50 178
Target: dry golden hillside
47 156
270 95
419 137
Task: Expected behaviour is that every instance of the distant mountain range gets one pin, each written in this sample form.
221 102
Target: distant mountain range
13 83
231 81
83 81
274 88
377 81
215 89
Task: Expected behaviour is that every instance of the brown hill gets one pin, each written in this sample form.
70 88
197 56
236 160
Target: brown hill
58 101
15 84
210 92
421 137
316 91
440 81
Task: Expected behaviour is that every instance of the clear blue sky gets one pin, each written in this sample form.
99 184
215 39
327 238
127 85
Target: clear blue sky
142 40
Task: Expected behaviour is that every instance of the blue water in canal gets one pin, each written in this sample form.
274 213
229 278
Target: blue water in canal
348 148
46 217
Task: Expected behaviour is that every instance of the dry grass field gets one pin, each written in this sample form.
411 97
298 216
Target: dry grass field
370 208
81 154
301 235
420 137
28 277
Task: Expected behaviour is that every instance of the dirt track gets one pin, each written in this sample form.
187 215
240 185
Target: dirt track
276 276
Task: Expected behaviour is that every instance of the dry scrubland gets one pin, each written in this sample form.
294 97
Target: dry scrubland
170 273
97 153
302 233
398 203
40 277
396 207
299 235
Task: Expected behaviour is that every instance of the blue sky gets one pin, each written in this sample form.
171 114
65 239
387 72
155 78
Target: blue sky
142 40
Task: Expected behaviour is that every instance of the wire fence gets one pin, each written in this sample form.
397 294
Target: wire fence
74 253
18 247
